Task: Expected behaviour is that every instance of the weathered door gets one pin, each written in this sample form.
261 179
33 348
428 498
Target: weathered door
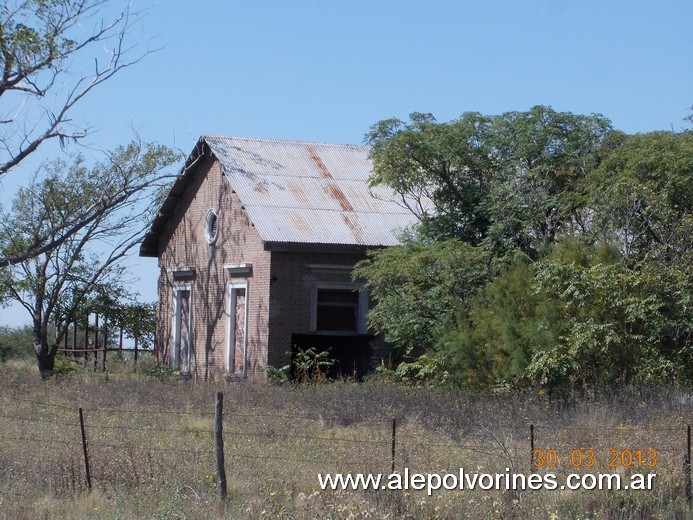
181 355
236 347
239 331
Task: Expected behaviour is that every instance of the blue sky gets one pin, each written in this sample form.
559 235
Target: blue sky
328 70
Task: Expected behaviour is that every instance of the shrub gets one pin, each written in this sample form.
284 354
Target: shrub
278 376
160 371
65 366
310 365
16 343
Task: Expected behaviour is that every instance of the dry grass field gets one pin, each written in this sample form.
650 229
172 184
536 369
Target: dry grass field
151 448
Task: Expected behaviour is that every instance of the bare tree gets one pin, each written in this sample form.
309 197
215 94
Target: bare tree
52 54
93 206
86 262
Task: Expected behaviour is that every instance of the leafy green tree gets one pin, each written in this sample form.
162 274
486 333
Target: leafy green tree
537 194
509 181
494 339
138 320
623 325
642 196
586 230
418 287
57 284
577 318
443 170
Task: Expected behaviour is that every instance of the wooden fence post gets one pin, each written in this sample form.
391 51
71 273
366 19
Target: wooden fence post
394 438
687 466
84 448
219 448
96 341
105 343
120 343
86 342
74 338
531 448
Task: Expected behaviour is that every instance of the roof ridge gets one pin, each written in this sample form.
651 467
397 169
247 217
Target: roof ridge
359 212
284 141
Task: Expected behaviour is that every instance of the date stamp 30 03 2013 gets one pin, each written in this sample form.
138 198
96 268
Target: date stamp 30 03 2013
587 458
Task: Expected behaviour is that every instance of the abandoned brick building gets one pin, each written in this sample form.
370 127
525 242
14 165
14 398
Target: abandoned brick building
256 241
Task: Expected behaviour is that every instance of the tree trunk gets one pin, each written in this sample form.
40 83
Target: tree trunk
45 356
45 362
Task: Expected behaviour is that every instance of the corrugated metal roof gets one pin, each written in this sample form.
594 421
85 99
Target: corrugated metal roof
299 192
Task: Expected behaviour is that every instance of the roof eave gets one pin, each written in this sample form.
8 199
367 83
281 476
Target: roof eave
150 243
306 247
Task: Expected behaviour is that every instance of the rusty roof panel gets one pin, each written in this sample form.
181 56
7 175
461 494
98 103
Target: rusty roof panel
310 192
310 226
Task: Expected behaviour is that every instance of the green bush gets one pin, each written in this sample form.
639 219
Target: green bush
576 319
16 343
160 371
65 366
308 366
425 370
278 376
311 365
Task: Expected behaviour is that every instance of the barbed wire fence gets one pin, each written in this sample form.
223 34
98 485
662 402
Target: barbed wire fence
67 450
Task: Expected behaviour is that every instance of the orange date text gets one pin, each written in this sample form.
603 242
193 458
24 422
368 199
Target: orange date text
588 458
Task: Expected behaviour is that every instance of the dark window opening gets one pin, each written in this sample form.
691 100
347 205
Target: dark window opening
211 226
337 310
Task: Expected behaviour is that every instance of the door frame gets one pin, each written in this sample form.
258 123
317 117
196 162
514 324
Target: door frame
175 357
231 289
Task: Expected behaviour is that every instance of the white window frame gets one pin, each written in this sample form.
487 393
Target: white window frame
231 288
175 332
211 236
361 323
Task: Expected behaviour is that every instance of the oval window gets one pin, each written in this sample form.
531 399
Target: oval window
211 226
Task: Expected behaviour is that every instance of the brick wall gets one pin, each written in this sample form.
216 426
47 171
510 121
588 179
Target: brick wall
183 244
280 286
294 276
